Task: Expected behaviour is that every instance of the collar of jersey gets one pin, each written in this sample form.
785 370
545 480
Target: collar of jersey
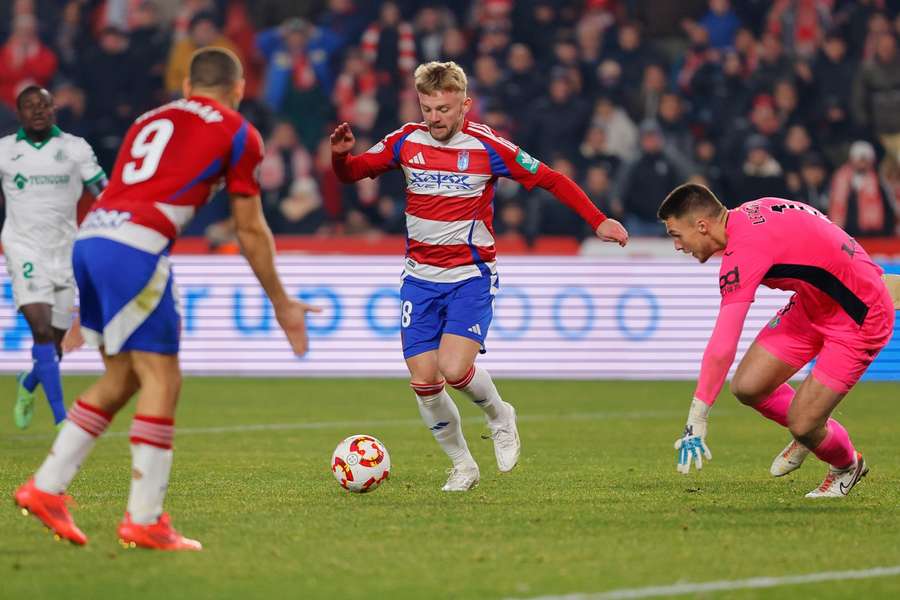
21 135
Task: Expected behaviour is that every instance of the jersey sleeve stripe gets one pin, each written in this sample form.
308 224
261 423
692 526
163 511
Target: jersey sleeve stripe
95 178
213 168
498 167
238 144
486 132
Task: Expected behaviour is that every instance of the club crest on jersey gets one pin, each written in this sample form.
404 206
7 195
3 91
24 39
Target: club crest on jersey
462 161
60 156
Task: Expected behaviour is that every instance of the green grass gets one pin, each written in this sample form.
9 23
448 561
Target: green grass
594 505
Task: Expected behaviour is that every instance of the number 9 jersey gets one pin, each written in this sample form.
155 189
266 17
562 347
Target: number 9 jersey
171 162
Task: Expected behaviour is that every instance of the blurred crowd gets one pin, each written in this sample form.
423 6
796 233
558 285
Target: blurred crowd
791 98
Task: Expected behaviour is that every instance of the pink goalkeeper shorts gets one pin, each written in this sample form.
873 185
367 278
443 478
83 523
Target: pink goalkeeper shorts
844 353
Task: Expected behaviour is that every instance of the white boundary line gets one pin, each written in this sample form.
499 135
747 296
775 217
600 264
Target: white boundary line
362 425
681 589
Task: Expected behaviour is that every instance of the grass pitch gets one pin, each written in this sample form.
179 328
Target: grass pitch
594 505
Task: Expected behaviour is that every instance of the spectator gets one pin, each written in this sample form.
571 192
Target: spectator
621 133
644 181
487 87
24 60
355 92
389 45
645 104
456 48
202 31
813 182
678 138
520 87
722 24
594 151
759 176
833 71
632 54
787 104
797 144
111 73
773 65
598 187
557 119
708 165
876 94
800 24
431 24
860 201
150 43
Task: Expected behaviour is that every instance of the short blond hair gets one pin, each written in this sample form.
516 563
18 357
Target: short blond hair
440 77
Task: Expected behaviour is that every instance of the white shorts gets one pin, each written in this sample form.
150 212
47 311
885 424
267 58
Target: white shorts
38 281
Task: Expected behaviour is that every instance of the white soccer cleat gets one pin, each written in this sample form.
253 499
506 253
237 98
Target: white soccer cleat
789 460
507 445
462 479
839 482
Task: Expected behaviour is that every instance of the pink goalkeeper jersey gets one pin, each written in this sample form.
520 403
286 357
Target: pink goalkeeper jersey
789 245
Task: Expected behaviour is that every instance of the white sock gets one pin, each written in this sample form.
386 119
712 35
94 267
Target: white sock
480 389
442 417
70 448
150 468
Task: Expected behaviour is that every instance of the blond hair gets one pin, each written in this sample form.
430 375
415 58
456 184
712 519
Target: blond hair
440 77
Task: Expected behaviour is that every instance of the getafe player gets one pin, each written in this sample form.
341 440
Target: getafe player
171 159
44 172
450 277
841 314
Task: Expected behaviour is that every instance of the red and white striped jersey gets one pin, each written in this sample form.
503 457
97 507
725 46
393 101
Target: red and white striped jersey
450 194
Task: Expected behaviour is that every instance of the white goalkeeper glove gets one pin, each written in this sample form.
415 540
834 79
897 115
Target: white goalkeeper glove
691 446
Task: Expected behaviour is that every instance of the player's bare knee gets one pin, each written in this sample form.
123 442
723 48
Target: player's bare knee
744 390
803 428
454 370
43 334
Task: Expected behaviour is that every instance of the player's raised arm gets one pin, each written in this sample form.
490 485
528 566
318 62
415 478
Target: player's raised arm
530 172
378 159
258 247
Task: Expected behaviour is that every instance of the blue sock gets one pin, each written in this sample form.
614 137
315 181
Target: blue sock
46 365
31 381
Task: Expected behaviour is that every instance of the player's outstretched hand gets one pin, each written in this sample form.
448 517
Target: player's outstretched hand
342 140
691 448
611 230
73 340
291 317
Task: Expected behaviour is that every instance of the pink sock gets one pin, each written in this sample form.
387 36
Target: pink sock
776 406
836 449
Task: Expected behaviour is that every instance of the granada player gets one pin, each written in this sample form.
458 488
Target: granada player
841 314
171 159
451 166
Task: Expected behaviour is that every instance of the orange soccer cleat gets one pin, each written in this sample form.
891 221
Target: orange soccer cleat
158 536
51 510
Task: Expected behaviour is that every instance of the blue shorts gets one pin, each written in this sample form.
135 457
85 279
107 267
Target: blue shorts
428 310
127 297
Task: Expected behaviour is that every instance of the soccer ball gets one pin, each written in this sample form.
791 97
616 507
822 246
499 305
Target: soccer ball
360 463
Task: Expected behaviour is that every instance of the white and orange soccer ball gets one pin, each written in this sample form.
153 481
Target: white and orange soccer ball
360 463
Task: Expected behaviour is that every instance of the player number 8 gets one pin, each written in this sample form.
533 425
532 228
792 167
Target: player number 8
148 144
406 313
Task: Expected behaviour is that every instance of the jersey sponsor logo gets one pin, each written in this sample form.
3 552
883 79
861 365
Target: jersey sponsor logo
527 162
377 148
105 219
462 160
429 180
40 180
730 281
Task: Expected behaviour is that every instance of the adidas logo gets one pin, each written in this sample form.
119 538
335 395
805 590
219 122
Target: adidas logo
418 159
476 329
